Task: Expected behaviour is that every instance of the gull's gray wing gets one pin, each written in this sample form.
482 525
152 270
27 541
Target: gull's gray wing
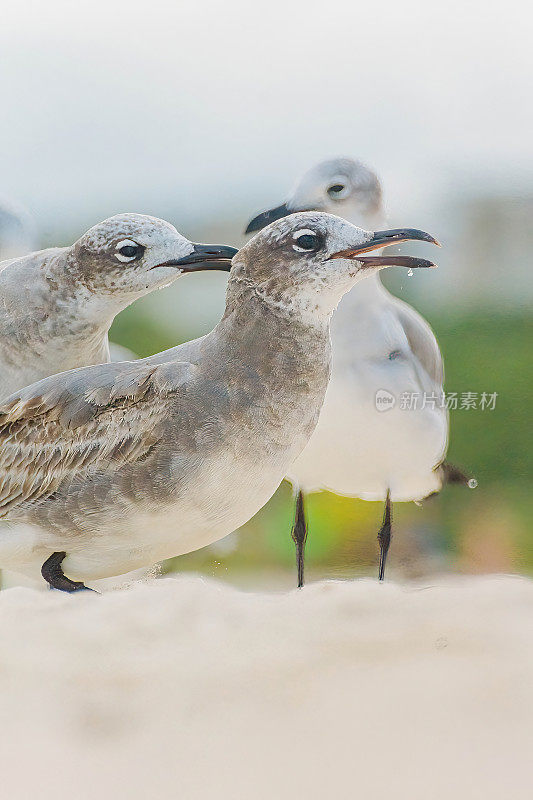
429 365
79 422
422 343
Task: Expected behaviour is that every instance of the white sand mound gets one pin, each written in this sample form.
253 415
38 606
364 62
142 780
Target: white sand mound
186 688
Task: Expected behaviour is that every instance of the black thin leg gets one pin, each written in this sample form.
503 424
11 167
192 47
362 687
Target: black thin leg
53 574
299 537
384 535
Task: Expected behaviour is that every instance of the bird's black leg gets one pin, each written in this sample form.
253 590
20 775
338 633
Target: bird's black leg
299 536
53 574
384 535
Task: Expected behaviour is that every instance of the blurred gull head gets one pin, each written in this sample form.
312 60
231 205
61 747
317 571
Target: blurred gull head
338 186
17 232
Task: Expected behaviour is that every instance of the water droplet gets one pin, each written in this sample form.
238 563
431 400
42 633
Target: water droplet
409 273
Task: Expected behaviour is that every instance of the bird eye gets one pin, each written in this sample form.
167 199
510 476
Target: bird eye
338 190
128 250
306 241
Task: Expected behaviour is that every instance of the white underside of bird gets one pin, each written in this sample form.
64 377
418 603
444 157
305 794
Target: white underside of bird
207 512
356 449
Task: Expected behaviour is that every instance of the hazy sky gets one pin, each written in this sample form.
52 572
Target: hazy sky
191 108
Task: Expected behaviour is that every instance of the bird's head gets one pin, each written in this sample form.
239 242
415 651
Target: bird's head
129 255
338 186
307 261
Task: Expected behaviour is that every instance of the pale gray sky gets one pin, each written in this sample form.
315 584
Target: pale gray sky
183 109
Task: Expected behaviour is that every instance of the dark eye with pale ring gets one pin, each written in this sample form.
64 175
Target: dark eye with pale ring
337 191
307 242
129 251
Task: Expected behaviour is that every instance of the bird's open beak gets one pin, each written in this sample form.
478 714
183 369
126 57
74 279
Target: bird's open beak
204 256
383 239
266 217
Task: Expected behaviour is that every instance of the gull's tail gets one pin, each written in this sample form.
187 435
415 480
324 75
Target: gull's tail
452 474
448 474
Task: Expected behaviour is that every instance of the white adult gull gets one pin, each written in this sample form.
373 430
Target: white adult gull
380 345
57 305
118 466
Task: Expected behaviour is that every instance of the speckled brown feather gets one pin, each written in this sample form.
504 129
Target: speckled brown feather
51 431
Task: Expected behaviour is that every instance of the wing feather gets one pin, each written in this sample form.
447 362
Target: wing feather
82 421
422 342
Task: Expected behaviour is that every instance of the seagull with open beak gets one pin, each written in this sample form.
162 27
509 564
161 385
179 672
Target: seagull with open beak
367 444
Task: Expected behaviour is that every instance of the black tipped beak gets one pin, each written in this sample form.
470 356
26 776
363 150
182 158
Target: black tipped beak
384 239
396 235
266 217
205 256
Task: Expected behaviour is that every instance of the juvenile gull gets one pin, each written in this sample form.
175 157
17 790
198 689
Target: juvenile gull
117 466
57 305
381 347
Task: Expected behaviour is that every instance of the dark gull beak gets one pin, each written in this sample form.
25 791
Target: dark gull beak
383 239
204 256
266 217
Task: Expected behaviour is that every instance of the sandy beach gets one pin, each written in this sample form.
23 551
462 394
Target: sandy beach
185 687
